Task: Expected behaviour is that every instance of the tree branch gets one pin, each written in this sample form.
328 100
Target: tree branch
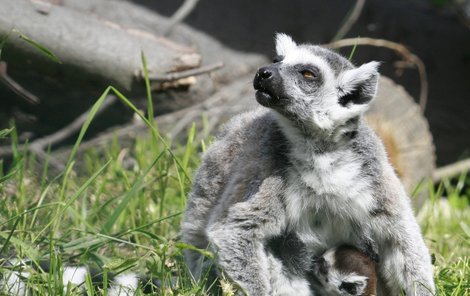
401 50
451 170
15 86
350 20
183 11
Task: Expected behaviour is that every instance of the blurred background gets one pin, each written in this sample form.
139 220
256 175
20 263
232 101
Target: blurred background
58 57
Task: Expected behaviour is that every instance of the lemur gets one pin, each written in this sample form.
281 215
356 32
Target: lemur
304 163
343 271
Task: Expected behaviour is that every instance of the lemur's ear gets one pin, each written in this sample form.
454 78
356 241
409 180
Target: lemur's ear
359 85
284 43
354 284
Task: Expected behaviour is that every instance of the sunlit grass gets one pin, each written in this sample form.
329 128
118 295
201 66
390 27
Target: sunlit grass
446 226
120 205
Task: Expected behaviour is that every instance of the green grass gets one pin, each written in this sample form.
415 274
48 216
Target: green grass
446 227
121 209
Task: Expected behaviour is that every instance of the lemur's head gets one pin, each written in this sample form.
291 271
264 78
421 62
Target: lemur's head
343 271
313 86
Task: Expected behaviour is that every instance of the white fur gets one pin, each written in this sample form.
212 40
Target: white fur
13 283
284 284
294 55
359 280
301 55
331 193
329 256
124 285
284 43
75 275
336 181
347 82
336 278
350 79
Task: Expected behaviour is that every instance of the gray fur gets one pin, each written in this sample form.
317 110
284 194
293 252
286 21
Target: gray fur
309 165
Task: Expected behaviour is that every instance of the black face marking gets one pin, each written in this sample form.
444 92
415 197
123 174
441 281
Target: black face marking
350 98
305 68
362 94
269 85
349 288
357 96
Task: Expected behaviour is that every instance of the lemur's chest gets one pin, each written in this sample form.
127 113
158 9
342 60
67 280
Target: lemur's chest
326 196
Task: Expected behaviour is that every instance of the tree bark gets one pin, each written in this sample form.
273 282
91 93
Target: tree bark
130 15
86 43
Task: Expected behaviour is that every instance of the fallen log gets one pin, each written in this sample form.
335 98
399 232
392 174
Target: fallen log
131 15
86 43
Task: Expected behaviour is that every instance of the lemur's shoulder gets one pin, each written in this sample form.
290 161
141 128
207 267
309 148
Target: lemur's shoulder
247 125
248 149
250 136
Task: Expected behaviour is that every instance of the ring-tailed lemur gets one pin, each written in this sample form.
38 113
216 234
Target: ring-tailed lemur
339 271
305 164
344 271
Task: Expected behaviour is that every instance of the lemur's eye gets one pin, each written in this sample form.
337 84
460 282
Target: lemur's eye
278 58
308 74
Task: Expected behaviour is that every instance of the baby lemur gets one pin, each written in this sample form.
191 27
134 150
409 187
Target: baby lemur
344 271
339 271
304 164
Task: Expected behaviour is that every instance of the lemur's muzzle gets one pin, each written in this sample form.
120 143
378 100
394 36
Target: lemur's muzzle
266 82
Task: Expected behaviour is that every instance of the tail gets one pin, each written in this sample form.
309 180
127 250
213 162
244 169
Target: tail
14 276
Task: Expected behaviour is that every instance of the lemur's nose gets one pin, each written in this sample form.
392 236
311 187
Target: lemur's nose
264 73
264 77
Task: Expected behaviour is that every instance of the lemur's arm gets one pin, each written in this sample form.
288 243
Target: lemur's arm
239 232
407 262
